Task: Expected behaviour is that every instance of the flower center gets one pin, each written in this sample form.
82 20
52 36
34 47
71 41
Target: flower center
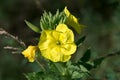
58 43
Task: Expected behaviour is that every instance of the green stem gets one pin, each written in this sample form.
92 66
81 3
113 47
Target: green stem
62 71
60 68
41 66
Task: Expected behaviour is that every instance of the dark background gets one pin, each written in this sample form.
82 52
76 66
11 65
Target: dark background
102 18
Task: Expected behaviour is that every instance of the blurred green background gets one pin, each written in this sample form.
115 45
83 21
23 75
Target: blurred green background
102 18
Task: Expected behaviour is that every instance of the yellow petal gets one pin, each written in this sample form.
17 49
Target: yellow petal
30 53
52 54
67 37
66 12
62 28
57 45
70 16
55 55
73 21
68 49
48 39
66 58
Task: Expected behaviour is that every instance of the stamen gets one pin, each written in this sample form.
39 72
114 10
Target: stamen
58 43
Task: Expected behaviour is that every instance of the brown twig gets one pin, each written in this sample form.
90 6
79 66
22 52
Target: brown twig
13 49
3 32
109 55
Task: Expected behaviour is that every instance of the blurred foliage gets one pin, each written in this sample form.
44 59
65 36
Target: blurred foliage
102 18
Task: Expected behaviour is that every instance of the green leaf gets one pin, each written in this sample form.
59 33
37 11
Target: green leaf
88 66
33 27
80 40
76 70
77 75
86 56
34 76
83 69
98 61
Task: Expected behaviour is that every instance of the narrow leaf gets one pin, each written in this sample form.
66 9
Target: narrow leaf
33 27
80 40
98 61
87 65
86 56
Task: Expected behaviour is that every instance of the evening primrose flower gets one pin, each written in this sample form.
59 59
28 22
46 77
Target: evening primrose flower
30 53
72 21
57 45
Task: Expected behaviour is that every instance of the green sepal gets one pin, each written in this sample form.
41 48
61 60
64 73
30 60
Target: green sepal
49 21
33 27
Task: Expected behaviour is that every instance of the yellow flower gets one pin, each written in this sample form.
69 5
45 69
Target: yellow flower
57 45
73 21
30 53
